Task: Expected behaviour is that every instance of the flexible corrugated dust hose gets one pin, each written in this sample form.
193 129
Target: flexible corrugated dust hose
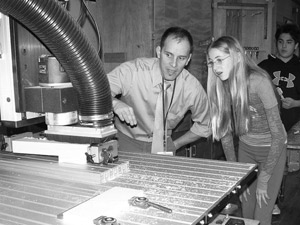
60 33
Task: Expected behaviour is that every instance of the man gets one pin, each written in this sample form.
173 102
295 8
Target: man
284 69
138 85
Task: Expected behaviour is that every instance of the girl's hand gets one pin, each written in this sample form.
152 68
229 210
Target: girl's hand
261 195
245 193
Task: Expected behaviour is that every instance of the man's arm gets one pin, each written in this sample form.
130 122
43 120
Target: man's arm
120 80
196 100
185 139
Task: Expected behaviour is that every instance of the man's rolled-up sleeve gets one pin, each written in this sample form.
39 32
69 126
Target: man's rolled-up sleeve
200 114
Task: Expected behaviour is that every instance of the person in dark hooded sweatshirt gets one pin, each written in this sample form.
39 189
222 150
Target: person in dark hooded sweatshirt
284 69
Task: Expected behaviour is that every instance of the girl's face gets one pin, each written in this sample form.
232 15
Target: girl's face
220 63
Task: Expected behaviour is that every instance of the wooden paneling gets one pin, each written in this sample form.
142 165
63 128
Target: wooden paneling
134 28
193 15
285 11
76 9
126 27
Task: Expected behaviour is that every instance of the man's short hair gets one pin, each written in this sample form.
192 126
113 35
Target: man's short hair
177 32
288 28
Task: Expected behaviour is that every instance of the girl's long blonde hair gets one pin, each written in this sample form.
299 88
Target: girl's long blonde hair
229 100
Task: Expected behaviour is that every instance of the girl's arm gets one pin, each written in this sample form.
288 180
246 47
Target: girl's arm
228 147
278 144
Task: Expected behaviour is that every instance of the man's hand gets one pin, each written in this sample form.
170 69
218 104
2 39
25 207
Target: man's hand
288 103
124 112
171 146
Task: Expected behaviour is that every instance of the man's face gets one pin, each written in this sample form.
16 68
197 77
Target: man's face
286 47
173 57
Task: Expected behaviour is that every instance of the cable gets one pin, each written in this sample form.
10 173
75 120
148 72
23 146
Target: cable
3 145
94 23
81 18
64 3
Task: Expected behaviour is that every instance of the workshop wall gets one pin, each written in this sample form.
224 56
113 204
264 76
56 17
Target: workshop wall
287 10
193 15
132 28
126 28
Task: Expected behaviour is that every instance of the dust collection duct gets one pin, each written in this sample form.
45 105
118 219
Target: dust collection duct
61 34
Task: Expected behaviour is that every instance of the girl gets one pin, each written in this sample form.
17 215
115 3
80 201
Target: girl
243 103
